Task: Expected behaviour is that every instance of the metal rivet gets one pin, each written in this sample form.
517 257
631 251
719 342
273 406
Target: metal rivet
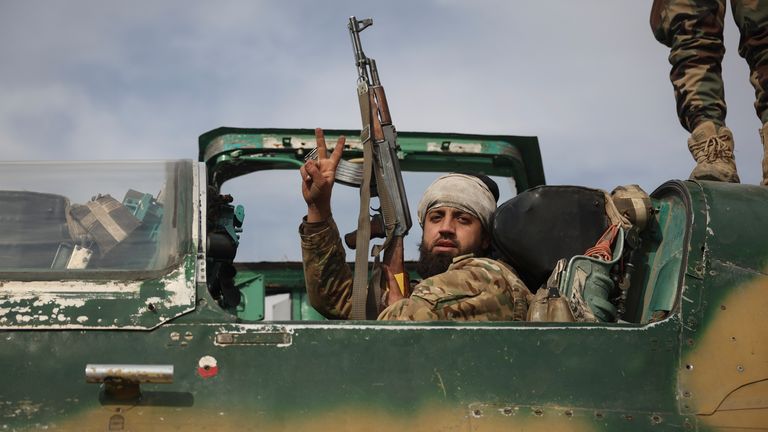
188 336
507 411
151 307
722 307
656 419
686 394
628 417
477 413
598 415
740 368
538 412
689 366
175 336
568 413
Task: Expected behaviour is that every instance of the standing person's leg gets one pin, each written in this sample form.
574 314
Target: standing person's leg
752 19
693 30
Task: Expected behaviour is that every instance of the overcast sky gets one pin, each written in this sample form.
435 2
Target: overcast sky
143 79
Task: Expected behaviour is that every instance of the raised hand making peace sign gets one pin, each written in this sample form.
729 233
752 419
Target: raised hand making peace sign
317 177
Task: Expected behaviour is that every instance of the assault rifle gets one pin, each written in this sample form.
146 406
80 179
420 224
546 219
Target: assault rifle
379 175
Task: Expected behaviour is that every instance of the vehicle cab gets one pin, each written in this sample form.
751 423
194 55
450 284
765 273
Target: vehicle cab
126 302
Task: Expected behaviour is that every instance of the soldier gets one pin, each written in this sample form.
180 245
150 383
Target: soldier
693 29
460 282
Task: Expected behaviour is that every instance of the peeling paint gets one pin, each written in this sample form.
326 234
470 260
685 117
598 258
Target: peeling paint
26 408
456 147
296 142
401 326
177 289
71 286
72 304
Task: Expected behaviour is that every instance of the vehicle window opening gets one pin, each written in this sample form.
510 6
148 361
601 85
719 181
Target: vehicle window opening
253 232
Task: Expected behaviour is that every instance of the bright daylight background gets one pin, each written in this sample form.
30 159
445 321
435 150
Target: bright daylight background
141 80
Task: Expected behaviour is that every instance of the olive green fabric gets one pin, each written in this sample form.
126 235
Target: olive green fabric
472 289
327 276
693 30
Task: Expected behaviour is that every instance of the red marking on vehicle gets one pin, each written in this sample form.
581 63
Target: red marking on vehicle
208 371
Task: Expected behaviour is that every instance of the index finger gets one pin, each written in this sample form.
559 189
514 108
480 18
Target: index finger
338 150
322 151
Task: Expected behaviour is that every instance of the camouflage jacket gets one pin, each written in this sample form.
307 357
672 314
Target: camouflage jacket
472 289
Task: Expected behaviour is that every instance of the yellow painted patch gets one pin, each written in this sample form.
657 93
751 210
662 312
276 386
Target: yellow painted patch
730 358
434 418
745 408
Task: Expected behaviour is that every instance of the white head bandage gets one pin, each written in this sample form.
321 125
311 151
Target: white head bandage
466 193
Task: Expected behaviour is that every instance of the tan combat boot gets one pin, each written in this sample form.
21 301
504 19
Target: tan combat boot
764 139
713 150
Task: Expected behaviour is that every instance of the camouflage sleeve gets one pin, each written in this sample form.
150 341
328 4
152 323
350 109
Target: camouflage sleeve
472 289
327 276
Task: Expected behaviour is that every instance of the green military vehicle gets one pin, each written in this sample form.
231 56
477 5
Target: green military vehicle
122 306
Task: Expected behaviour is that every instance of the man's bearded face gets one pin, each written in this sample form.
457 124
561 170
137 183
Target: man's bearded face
448 233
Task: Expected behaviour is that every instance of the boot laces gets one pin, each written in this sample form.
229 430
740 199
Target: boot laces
712 149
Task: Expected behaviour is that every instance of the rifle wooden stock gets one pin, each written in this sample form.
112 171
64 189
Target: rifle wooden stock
376 131
381 101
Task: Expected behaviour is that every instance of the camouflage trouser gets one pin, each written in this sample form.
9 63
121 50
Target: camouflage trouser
693 29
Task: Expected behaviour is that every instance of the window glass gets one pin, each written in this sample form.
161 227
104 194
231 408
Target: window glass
82 218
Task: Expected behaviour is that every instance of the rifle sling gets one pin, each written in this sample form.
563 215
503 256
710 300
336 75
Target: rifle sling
360 281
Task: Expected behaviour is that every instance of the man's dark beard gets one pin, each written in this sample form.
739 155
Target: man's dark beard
431 264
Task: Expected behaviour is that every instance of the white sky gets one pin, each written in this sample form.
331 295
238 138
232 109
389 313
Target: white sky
143 79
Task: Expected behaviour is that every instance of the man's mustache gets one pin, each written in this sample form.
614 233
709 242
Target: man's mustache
446 241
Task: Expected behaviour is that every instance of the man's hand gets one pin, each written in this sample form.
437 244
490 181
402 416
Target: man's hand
393 293
317 178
